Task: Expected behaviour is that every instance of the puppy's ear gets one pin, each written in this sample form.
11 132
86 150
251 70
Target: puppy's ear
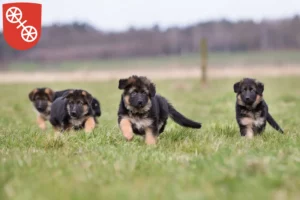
123 83
88 97
236 87
31 94
152 89
67 94
50 94
260 88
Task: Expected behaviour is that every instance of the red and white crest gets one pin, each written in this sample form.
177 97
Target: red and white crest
22 24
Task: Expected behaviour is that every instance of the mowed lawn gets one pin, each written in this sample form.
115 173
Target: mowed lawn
211 163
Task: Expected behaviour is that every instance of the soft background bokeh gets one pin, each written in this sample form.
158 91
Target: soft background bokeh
113 36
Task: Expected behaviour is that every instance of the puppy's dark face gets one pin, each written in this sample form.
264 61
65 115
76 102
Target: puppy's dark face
249 91
138 97
78 103
138 91
42 99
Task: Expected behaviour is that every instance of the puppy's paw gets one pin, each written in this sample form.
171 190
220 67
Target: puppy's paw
128 136
89 125
42 126
150 140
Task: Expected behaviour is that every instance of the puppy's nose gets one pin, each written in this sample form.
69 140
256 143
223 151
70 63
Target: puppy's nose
247 98
140 102
73 113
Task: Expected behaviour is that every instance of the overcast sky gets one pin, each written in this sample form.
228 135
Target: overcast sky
115 15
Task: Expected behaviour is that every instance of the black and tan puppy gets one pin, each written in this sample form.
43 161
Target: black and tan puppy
42 99
95 103
73 111
251 110
143 112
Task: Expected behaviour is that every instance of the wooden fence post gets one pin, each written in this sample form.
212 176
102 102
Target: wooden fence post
203 51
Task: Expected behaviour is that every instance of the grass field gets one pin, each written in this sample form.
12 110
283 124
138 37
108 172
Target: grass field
211 163
216 59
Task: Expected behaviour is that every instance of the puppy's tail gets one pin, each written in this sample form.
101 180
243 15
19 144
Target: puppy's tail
182 120
273 123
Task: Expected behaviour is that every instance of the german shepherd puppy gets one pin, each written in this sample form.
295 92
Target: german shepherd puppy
251 110
42 99
95 103
143 112
73 110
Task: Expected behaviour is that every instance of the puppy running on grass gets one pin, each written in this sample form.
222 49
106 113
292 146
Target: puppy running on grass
42 99
73 111
95 103
251 110
143 112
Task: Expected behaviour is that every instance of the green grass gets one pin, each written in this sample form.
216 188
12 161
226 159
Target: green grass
221 59
211 163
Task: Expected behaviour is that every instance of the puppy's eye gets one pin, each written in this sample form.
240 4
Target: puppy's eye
143 92
245 89
133 93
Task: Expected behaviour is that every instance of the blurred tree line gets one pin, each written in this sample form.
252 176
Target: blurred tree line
82 41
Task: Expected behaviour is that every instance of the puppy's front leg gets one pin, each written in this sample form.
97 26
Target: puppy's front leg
125 126
57 131
246 127
89 125
247 132
150 136
41 122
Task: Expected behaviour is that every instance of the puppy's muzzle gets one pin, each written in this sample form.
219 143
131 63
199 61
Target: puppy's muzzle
140 103
40 109
74 114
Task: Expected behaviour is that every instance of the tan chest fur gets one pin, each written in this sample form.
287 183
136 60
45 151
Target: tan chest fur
252 119
47 117
77 122
140 123
43 115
